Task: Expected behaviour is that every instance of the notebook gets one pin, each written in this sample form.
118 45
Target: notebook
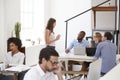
90 51
79 51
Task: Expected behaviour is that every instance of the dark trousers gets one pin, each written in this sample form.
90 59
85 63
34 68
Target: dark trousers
11 77
6 77
53 47
102 74
21 75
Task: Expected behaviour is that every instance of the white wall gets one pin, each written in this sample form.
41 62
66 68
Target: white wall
32 54
62 10
12 14
9 14
2 30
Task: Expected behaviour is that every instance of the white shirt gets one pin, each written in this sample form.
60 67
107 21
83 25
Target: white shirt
52 37
36 73
16 59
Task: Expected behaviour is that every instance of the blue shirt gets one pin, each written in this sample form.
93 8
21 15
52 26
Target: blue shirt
75 43
107 51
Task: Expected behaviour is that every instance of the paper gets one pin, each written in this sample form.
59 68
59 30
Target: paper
18 68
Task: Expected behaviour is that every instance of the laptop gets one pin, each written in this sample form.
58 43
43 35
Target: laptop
90 51
79 51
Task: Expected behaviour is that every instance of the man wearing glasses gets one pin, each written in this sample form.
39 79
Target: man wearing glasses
48 67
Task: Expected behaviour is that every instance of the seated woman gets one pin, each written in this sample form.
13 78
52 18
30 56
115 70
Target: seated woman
14 56
96 40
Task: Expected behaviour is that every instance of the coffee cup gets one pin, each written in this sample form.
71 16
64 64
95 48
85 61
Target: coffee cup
2 67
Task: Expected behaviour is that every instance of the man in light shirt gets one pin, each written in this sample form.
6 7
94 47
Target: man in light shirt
48 67
79 42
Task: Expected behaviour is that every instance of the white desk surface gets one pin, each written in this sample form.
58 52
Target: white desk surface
66 57
73 57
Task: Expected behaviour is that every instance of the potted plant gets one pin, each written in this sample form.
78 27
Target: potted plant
17 29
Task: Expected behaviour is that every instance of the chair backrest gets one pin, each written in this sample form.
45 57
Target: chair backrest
23 51
94 70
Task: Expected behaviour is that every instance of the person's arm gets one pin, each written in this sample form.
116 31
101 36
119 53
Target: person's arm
6 61
87 44
70 46
60 76
22 57
58 72
67 51
97 53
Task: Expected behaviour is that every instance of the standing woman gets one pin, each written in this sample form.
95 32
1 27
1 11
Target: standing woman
49 33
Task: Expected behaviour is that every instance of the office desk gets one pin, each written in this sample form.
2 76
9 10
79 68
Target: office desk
66 57
15 73
80 58
75 57
15 70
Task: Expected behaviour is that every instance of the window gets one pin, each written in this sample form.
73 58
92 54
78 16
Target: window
32 21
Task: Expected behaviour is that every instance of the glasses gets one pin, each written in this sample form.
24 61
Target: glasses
54 63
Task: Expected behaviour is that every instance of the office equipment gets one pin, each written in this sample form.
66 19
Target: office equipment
79 51
90 51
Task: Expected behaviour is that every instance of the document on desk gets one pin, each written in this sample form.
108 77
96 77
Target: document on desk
75 57
18 68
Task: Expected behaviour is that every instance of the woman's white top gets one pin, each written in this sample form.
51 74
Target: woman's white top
16 59
51 38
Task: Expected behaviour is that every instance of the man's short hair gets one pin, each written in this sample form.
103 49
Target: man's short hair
47 53
83 32
16 41
108 35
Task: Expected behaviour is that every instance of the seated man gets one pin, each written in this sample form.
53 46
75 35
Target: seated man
79 42
47 68
107 51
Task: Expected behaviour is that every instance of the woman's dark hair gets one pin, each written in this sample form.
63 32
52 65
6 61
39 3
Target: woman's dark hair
108 35
16 41
47 53
50 23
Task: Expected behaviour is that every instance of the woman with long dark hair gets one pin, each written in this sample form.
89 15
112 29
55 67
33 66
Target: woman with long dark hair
49 33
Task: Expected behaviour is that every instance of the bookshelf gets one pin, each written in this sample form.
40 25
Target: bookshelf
104 8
